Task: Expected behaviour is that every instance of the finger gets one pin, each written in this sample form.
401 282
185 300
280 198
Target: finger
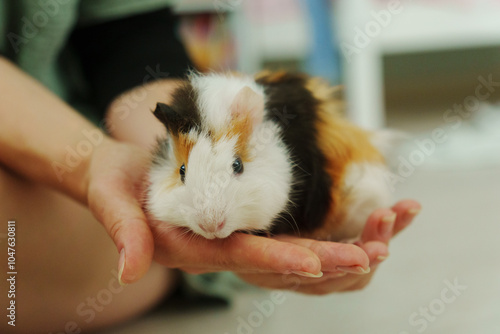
406 211
360 284
286 281
273 281
333 255
377 252
379 226
238 252
126 224
340 284
330 282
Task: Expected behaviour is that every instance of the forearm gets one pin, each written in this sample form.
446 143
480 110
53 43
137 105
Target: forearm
42 138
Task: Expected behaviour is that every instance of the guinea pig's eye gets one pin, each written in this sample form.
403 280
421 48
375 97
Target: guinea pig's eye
237 166
182 171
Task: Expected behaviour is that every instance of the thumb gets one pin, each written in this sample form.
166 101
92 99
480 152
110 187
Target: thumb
127 225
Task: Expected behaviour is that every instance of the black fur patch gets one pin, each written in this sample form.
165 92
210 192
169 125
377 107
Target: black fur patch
182 115
294 108
160 152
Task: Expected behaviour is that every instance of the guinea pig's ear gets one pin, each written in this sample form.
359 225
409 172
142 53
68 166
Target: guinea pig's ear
168 116
248 103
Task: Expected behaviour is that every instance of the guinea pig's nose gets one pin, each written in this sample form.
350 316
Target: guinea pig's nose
212 228
220 226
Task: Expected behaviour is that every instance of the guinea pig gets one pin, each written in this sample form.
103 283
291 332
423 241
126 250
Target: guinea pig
270 153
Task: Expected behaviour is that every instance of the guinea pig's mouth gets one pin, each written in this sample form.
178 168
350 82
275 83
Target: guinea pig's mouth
212 228
217 235
215 230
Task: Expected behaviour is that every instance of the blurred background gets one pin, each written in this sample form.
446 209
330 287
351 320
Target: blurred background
403 63
429 68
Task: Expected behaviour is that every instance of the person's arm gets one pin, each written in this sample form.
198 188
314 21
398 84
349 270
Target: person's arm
44 140
37 132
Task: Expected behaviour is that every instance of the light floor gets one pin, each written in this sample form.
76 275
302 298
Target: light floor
455 240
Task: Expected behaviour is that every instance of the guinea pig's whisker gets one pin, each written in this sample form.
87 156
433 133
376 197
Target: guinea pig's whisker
293 224
185 232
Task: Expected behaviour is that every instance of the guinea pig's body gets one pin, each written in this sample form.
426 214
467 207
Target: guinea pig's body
270 153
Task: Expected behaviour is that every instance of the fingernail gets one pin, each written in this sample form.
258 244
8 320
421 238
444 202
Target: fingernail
382 257
414 212
335 275
387 226
304 274
354 270
121 266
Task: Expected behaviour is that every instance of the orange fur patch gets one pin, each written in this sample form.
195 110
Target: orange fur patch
342 143
182 146
240 128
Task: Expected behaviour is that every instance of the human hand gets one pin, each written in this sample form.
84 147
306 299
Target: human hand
115 189
245 254
116 176
286 262
381 226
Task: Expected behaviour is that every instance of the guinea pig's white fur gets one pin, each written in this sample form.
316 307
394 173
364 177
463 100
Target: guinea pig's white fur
212 193
366 189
